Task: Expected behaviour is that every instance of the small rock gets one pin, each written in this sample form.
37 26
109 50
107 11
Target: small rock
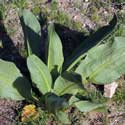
110 89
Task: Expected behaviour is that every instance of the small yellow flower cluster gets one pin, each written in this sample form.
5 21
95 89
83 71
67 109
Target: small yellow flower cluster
29 113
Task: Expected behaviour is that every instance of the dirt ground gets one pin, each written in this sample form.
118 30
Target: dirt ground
90 18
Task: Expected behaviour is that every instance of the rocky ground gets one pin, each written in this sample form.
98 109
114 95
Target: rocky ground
84 16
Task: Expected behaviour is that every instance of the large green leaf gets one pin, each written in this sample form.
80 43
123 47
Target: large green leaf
93 40
32 31
12 84
40 74
123 32
63 117
73 100
104 63
67 84
55 103
54 51
86 106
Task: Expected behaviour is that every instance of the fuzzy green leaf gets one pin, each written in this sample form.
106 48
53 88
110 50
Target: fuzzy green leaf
104 63
86 106
63 117
32 32
92 41
67 84
73 100
54 51
12 84
40 74
55 103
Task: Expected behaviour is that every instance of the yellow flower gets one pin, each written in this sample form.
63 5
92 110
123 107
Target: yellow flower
29 113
